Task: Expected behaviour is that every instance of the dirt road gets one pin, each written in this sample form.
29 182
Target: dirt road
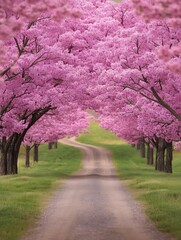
93 205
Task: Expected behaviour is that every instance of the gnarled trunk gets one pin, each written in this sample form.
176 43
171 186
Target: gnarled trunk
35 157
150 155
12 154
50 145
3 157
160 154
27 159
11 160
169 157
10 147
9 154
138 146
142 148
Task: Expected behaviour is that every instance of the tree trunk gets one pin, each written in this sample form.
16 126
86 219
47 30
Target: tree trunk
133 145
138 146
160 165
150 158
50 145
12 154
9 155
3 162
10 160
56 145
3 157
156 159
27 158
36 153
10 147
169 158
142 148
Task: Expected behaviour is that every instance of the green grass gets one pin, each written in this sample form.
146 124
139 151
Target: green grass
23 196
160 193
99 136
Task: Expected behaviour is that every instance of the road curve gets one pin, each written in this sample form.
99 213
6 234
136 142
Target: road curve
94 205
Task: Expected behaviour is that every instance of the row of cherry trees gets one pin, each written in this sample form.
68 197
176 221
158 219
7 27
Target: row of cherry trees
150 81
60 58
36 90
146 80
134 71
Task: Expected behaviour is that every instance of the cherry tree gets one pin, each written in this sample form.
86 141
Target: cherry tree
34 84
135 120
56 125
65 122
168 11
18 14
48 72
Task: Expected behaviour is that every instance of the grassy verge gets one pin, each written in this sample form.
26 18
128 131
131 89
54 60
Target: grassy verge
22 196
160 193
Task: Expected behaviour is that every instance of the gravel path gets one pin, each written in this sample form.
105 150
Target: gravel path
94 205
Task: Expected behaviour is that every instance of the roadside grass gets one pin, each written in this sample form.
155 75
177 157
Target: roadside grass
23 196
99 136
159 193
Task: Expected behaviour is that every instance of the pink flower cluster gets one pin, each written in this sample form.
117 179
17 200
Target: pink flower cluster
16 14
168 11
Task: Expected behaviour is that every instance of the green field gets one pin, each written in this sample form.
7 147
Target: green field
160 193
23 196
